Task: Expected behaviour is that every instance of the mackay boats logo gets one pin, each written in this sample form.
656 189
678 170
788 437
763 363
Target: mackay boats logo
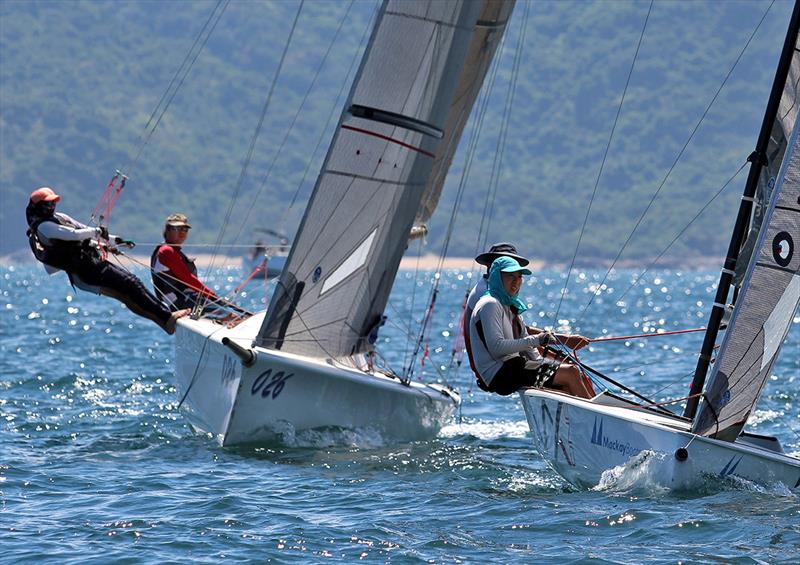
599 438
730 466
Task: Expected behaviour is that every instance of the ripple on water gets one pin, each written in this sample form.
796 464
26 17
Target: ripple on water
97 461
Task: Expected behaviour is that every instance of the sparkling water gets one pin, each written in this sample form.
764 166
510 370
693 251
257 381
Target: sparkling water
98 466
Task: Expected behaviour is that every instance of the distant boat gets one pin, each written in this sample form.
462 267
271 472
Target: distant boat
306 362
273 256
582 439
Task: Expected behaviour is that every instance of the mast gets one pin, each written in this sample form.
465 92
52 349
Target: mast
758 160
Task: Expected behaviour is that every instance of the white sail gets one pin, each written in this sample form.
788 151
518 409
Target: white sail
763 314
419 77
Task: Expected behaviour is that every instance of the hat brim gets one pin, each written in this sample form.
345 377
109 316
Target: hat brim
520 269
178 225
486 259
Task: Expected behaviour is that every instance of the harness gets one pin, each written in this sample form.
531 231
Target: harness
515 323
166 283
69 256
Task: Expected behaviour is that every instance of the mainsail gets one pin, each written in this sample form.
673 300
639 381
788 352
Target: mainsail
418 80
781 132
763 314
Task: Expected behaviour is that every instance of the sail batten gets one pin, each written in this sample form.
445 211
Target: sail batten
418 79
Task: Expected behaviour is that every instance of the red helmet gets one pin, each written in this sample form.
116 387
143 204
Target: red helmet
44 194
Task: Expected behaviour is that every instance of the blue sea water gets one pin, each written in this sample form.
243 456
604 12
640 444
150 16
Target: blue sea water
97 465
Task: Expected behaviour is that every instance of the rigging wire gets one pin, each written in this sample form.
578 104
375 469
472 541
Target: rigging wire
640 276
678 157
336 105
256 133
183 72
497 163
277 154
477 128
602 164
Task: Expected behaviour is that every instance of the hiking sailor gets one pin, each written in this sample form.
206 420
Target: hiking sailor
174 274
505 351
62 243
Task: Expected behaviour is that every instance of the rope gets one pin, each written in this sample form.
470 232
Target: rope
638 336
219 301
603 163
678 157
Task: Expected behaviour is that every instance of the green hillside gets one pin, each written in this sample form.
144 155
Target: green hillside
79 80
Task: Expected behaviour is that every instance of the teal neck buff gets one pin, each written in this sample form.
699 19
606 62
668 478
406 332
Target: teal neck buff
496 287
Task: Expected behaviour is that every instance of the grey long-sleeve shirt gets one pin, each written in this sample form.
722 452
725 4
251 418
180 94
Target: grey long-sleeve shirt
499 344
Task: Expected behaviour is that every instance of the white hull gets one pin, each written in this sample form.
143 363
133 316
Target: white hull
582 439
284 393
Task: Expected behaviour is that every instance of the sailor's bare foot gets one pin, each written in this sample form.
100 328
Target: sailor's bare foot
169 327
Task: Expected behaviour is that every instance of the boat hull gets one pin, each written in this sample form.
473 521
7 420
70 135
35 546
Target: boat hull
283 394
582 440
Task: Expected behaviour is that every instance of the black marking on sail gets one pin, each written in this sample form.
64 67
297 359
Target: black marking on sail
285 305
394 119
777 248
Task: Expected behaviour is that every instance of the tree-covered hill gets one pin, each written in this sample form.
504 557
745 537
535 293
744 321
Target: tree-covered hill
80 80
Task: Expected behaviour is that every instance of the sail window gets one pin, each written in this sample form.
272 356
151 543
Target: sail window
391 118
349 266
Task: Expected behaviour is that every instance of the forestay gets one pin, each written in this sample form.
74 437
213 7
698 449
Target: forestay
418 79
770 295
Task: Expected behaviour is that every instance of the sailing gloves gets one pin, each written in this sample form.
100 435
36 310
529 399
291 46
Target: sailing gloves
130 244
541 339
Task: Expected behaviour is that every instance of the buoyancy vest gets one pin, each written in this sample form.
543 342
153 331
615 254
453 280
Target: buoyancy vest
166 282
69 256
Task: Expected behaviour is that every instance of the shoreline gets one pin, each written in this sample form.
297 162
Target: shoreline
424 263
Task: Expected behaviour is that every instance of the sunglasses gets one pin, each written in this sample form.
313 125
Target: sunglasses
179 228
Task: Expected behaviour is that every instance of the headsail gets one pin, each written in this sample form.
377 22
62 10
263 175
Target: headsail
419 77
770 295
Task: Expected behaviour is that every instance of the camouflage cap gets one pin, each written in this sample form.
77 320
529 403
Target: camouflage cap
177 220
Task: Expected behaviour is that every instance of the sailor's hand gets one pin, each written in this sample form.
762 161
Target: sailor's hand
545 338
577 341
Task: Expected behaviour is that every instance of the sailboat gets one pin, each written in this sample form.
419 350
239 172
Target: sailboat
305 363
759 288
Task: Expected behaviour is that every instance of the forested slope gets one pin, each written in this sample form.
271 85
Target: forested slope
79 81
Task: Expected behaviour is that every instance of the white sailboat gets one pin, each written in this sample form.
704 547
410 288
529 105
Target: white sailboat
583 439
304 363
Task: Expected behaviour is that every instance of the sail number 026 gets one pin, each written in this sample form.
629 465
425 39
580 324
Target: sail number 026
270 384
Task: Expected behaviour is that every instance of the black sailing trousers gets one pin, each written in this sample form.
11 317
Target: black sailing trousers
110 280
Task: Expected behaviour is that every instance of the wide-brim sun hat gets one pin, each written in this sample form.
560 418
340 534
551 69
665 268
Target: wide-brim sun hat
503 249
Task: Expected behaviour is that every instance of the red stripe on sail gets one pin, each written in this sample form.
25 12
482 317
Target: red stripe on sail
391 139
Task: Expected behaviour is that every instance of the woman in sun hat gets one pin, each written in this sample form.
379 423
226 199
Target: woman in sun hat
506 351
502 249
